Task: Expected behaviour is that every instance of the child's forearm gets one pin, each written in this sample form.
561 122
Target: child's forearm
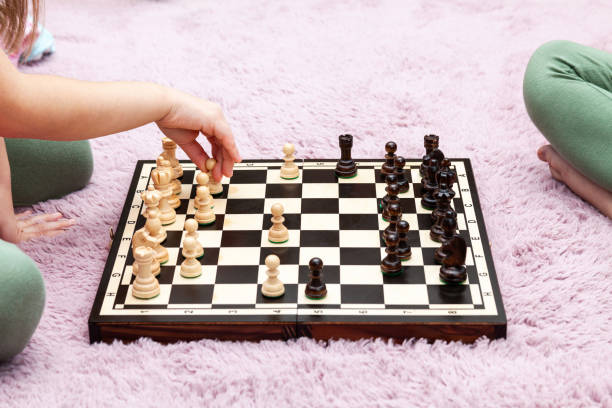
54 108
8 223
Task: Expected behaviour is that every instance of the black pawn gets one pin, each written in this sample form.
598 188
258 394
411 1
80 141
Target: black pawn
388 166
404 186
403 249
391 264
395 215
346 167
393 191
443 196
430 142
429 185
390 179
315 288
453 269
445 169
449 228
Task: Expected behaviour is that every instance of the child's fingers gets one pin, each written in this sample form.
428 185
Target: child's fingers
217 154
41 229
228 164
23 215
196 154
40 218
223 134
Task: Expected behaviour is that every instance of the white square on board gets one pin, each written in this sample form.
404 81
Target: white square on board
294 240
290 205
358 205
238 255
234 294
360 275
273 177
320 190
208 276
405 294
332 297
329 256
246 191
318 222
288 274
241 222
162 299
363 176
359 238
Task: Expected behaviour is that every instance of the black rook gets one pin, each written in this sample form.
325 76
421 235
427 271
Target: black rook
346 167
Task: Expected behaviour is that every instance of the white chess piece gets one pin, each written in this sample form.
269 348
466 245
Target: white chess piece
204 214
145 285
151 199
191 228
191 267
173 200
203 180
214 186
289 170
162 176
152 237
272 287
278 233
169 154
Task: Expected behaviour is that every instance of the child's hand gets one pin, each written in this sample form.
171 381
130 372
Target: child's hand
188 117
42 225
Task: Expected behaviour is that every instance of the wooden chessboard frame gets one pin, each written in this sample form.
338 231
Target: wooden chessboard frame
174 327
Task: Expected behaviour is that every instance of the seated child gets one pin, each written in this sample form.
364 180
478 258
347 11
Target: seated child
568 95
45 122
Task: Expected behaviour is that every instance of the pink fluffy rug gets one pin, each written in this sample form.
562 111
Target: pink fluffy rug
306 71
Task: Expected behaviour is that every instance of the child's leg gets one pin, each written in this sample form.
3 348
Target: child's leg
22 298
568 95
42 169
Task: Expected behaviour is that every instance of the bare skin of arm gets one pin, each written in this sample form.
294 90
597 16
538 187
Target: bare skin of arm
61 109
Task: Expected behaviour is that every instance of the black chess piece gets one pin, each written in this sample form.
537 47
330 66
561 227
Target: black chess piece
453 269
391 265
390 179
388 166
403 249
392 191
346 167
446 169
429 185
449 228
315 288
443 196
430 142
395 215
404 186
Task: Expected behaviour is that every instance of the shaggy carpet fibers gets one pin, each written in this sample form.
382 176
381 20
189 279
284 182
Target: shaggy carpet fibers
305 72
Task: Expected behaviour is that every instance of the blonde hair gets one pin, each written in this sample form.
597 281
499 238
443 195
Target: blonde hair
13 22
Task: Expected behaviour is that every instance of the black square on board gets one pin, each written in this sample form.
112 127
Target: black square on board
458 204
191 294
241 238
408 205
187 177
284 190
449 294
182 209
292 221
311 238
472 274
320 206
223 194
121 294
237 274
418 190
358 221
173 240
211 256
357 190
330 274
243 176
428 256
411 274
166 274
424 221
362 294
244 206
290 296
287 255
319 176
360 256
216 226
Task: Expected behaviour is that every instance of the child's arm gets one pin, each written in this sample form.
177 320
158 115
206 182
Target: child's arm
22 227
55 108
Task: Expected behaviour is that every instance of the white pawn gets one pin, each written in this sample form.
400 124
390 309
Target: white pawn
191 227
214 186
289 170
272 287
145 285
191 267
204 214
278 233
151 199
162 176
169 154
203 179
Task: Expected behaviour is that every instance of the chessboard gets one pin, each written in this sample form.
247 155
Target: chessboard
337 220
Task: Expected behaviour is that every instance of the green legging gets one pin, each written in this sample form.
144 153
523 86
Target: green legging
39 170
568 95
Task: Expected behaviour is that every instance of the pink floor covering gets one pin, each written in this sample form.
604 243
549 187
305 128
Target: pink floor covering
305 72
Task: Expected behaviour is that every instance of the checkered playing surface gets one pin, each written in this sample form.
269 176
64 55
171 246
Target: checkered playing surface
335 220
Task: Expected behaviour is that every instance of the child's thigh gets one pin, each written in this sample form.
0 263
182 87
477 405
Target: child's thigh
42 169
22 298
